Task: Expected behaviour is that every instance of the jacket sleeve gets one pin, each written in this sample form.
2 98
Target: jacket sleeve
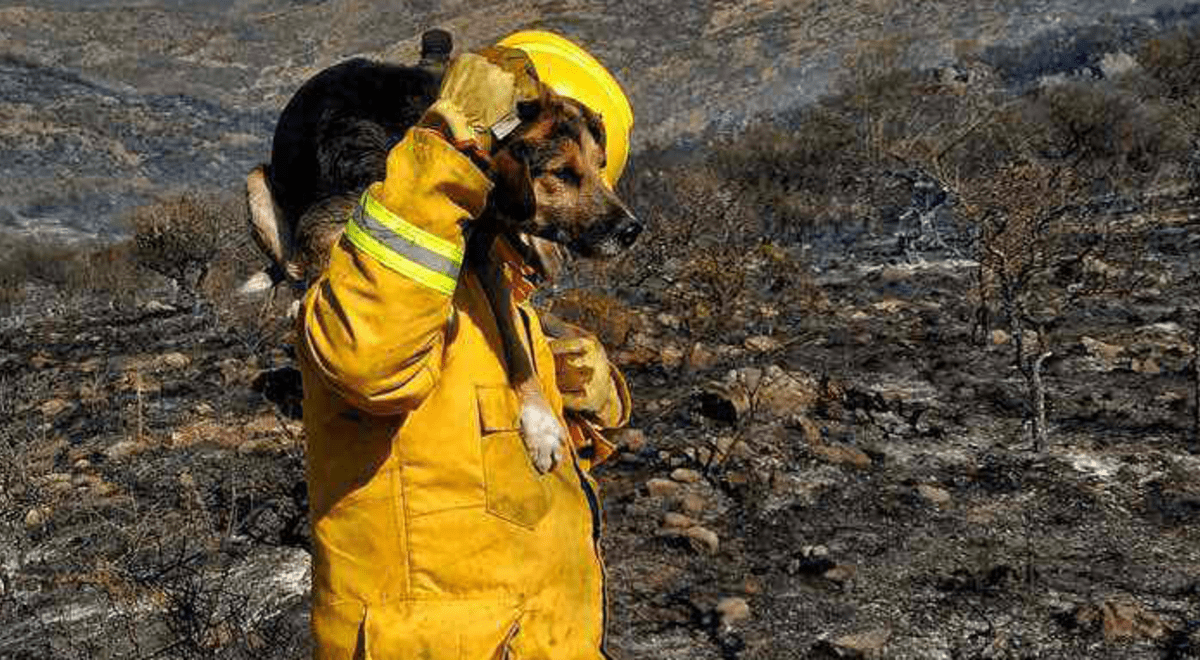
374 324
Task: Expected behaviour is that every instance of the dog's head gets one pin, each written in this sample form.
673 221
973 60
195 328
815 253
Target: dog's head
550 182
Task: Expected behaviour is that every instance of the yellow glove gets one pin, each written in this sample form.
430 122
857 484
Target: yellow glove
584 379
477 105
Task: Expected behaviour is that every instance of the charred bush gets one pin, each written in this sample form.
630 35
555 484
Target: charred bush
180 237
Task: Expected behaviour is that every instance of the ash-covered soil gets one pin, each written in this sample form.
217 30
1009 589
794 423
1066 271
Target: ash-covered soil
857 483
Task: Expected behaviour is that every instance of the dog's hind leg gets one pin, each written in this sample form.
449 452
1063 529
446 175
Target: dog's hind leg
269 229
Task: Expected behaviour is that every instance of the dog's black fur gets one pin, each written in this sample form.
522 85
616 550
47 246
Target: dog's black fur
334 135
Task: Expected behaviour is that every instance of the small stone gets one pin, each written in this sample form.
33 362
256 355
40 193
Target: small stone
155 307
732 610
1000 338
842 573
693 503
262 425
868 644
934 495
631 440
56 482
1127 620
258 446
175 361
668 320
671 357
686 476
673 520
53 407
703 539
662 488
812 432
1148 366
82 464
123 449
843 455
763 344
36 517
204 409
700 358
814 551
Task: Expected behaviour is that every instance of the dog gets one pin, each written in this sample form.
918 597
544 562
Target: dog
550 198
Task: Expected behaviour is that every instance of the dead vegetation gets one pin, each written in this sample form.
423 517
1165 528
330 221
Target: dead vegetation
871 491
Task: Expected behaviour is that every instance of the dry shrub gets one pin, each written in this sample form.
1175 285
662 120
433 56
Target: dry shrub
1103 132
1173 60
70 270
180 237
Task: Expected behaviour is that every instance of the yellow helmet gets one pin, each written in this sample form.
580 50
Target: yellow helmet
570 71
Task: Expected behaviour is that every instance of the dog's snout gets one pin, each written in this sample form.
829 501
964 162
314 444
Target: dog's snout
628 232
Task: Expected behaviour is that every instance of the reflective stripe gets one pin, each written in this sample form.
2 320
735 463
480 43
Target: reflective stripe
399 226
397 244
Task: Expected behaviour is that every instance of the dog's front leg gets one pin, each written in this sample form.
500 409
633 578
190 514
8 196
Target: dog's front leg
540 430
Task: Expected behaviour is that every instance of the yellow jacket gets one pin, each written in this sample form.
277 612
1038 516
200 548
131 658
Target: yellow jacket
434 537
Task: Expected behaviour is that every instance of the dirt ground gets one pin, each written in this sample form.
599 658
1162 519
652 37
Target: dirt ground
860 483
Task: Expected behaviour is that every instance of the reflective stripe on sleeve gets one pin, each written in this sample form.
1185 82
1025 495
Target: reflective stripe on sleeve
404 248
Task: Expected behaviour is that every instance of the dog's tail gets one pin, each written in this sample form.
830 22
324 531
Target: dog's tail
272 234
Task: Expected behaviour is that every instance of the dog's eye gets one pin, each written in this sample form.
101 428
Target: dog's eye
568 176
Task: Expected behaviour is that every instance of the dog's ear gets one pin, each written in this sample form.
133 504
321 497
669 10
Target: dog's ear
513 196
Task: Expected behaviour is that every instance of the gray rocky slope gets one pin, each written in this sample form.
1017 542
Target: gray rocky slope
105 104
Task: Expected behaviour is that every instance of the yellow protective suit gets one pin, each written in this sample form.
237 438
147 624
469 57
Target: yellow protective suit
434 537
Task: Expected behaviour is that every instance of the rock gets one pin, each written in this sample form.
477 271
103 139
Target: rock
203 409
36 517
732 610
662 488
124 449
262 425
769 393
672 520
53 407
934 495
1000 338
1148 366
629 439
668 320
259 446
1108 356
175 361
703 539
82 464
700 358
763 344
686 476
693 503
889 305
155 307
814 551
671 356
841 573
40 361
868 644
843 455
55 482
812 431
1123 620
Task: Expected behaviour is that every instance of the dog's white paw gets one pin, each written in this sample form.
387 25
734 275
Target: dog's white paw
542 433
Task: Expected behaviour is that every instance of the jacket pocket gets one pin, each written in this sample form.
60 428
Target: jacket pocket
514 490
